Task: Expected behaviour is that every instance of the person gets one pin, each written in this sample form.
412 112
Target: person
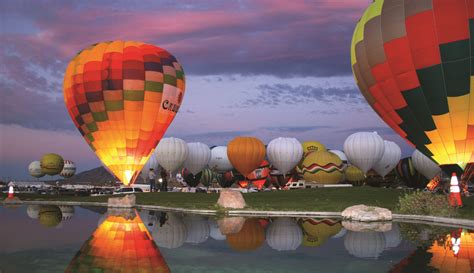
151 178
164 183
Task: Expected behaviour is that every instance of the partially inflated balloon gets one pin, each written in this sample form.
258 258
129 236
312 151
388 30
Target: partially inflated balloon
52 164
412 62
191 179
122 96
424 165
406 171
35 169
246 154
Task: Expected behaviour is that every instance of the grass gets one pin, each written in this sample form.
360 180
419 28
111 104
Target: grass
323 199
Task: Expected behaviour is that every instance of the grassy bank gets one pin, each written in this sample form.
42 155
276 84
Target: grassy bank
324 199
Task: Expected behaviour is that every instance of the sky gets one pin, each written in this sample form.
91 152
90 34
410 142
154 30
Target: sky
263 68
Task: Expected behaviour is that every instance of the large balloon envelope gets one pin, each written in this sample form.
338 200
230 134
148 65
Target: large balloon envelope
246 154
406 171
51 164
412 62
69 169
35 169
122 96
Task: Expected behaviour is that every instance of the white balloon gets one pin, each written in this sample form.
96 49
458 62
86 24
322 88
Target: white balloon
69 169
35 169
393 237
368 244
148 218
171 153
341 233
364 149
198 157
198 229
172 234
391 156
215 232
341 155
219 160
284 234
284 153
424 165
152 163
33 211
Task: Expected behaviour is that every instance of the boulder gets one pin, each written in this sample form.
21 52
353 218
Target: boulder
365 213
230 225
128 201
230 199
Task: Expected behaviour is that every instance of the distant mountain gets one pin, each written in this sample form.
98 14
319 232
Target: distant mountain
96 176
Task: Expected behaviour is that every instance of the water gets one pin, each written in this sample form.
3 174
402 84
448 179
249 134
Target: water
75 239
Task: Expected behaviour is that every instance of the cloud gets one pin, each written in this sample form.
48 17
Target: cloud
296 129
380 130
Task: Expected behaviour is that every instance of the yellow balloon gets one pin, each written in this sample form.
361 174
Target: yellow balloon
317 231
312 146
354 174
323 167
50 216
52 164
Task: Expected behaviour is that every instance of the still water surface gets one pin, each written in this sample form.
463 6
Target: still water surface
77 239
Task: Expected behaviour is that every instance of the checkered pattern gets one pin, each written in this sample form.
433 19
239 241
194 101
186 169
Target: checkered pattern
412 62
122 96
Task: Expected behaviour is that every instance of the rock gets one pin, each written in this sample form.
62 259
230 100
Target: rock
128 201
365 227
365 213
230 225
231 199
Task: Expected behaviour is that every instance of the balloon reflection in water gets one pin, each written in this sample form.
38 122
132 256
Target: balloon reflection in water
215 232
121 243
317 231
172 233
368 245
284 234
250 237
197 228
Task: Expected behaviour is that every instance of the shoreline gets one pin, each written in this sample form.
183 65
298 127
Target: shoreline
406 218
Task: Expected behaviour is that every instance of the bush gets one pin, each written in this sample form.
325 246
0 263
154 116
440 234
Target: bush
425 203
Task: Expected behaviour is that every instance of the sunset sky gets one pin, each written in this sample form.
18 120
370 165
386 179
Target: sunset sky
260 68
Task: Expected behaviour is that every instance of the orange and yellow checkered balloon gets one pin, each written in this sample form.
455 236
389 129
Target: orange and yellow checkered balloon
122 96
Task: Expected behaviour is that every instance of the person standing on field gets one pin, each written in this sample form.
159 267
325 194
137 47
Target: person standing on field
151 179
164 183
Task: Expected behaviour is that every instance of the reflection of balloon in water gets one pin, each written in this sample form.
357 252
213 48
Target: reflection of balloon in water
391 155
214 231
172 234
407 172
219 160
148 218
411 61
119 244
354 175
122 96
284 153
393 237
424 165
171 153
312 146
199 155
323 167
246 154
340 234
250 237
33 211
51 164
67 212
69 169
284 234
35 169
367 245
197 228
49 216
364 149
317 231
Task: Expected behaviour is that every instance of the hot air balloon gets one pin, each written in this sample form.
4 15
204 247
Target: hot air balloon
191 179
322 167
284 153
67 212
245 154
122 96
215 233
407 172
119 244
312 146
226 180
411 61
152 163
341 155
171 153
35 169
33 211
249 238
51 164
219 161
391 156
317 231
197 228
424 165
199 155
364 149
367 245
69 169
49 215
354 175
284 234
207 176
260 175
172 233
393 237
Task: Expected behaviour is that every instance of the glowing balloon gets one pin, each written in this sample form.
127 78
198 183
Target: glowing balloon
284 153
246 154
69 169
171 153
411 61
391 155
219 161
364 149
199 155
52 164
35 169
122 96
424 165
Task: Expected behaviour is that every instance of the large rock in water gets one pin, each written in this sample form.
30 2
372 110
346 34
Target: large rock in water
365 213
128 201
230 199
367 226
230 225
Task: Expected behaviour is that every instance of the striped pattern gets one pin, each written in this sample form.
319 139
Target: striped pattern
328 168
122 96
412 61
